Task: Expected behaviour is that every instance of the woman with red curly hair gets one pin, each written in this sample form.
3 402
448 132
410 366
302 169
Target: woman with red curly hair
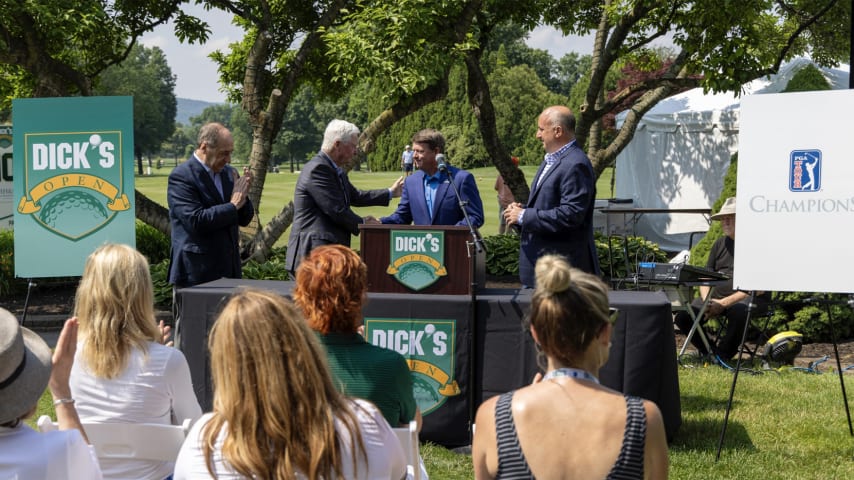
331 287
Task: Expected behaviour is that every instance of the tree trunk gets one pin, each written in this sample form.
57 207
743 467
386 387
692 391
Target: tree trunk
153 213
258 247
481 104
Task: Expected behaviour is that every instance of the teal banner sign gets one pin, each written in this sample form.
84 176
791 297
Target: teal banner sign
73 184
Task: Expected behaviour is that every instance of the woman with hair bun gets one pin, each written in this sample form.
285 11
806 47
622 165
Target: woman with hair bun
567 425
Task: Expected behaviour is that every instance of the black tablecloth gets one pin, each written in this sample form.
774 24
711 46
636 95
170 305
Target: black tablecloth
642 360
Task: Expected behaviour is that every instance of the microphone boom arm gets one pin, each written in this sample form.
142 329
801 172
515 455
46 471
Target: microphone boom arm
476 239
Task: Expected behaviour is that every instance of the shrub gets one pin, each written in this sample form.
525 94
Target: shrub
152 243
162 288
9 285
619 256
502 255
272 269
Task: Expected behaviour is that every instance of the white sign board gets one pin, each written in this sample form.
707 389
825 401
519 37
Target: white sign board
795 208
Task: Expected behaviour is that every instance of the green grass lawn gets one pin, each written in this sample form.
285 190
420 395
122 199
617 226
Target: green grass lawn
783 426
279 191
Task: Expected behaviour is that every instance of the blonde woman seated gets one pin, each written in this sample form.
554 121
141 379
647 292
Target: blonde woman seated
332 285
121 373
276 414
567 425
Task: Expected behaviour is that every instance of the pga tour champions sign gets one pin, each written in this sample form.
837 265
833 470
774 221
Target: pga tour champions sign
73 184
795 208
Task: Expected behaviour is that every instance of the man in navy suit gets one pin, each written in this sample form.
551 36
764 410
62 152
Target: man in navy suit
207 201
558 217
324 195
428 197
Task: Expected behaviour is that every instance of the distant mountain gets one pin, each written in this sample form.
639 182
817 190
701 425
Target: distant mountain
190 108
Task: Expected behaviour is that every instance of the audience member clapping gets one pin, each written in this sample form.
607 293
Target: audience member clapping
121 373
26 369
566 425
276 412
332 284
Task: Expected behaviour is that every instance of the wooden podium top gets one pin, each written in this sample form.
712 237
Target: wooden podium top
457 272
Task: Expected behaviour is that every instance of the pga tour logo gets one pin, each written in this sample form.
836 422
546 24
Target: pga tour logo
805 170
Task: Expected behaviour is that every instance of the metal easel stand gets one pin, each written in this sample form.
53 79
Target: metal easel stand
827 304
30 285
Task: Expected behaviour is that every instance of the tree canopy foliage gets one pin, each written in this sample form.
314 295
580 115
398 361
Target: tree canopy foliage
717 47
396 67
146 77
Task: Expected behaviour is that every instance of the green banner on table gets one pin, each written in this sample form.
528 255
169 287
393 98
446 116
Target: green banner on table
6 196
428 346
73 184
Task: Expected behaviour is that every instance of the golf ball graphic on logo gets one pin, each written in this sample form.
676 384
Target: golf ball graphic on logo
73 212
73 182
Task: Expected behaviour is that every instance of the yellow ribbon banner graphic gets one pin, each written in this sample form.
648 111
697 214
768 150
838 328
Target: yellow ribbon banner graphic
447 388
118 202
417 257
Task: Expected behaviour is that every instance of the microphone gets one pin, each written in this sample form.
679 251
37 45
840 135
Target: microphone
440 159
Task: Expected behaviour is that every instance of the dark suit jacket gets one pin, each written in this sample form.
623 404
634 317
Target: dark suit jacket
446 208
322 213
204 225
559 216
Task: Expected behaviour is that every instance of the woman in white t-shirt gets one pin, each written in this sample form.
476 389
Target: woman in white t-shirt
121 373
276 411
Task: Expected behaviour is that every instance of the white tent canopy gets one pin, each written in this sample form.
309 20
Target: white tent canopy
681 150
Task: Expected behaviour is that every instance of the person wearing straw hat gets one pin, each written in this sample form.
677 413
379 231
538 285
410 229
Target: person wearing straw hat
726 302
26 369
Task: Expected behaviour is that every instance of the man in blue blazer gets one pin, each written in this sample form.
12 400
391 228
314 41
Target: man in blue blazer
207 201
324 195
558 217
428 196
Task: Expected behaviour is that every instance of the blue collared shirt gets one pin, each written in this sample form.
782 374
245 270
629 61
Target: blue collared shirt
431 184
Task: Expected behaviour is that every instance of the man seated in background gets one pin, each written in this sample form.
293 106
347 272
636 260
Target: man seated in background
733 305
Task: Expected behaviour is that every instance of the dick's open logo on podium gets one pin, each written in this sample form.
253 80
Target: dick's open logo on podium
429 349
73 181
805 171
417 257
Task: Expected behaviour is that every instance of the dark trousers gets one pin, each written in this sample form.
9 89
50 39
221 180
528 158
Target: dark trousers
734 317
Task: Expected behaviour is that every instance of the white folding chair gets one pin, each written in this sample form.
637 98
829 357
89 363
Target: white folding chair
140 441
408 437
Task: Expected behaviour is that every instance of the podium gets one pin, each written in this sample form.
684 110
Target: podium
390 250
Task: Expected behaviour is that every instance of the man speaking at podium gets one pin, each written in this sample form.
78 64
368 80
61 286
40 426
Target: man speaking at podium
428 197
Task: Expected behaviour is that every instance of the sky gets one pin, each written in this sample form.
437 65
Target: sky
197 77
